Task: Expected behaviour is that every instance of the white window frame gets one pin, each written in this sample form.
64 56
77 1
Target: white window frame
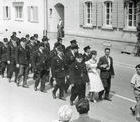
88 14
18 13
105 24
6 13
127 26
33 13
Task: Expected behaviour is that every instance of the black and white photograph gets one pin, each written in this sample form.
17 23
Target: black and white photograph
69 60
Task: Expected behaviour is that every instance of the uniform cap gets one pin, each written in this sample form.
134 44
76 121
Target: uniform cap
27 36
73 41
93 52
5 39
59 48
23 39
45 38
138 66
32 38
36 35
86 48
57 45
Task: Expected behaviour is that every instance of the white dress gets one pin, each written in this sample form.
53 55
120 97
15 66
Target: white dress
95 84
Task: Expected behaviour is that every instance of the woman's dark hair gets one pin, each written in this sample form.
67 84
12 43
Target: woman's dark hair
107 49
82 106
93 52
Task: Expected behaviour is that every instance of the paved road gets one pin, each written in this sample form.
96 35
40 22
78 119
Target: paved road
26 105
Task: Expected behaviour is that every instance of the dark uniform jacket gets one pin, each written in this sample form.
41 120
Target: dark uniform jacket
68 48
3 53
105 74
39 61
58 67
22 55
86 57
78 73
11 52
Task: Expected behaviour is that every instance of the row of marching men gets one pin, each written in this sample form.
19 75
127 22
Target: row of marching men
64 66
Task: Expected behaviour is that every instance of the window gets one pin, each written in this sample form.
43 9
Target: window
131 14
108 14
33 13
19 12
88 13
6 12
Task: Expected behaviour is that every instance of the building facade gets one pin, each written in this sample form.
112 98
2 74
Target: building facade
25 16
103 19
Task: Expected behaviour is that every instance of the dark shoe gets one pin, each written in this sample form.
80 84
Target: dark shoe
53 94
133 111
44 91
71 103
62 98
107 98
35 88
25 86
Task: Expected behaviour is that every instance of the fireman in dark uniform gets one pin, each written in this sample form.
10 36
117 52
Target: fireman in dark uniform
27 39
22 60
73 42
58 68
3 56
86 55
32 48
70 58
78 77
39 66
59 41
11 59
36 39
53 54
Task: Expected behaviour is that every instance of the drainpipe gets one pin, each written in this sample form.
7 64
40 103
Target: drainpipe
45 17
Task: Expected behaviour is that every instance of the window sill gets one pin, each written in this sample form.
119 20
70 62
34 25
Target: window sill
87 26
7 19
130 29
33 21
107 27
17 19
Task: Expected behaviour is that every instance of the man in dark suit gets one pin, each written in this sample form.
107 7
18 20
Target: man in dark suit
3 56
40 67
22 60
58 68
86 55
105 65
83 108
11 59
70 59
78 77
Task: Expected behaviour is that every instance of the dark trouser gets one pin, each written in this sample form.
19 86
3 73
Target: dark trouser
40 76
3 67
107 86
67 84
23 71
78 90
60 84
11 68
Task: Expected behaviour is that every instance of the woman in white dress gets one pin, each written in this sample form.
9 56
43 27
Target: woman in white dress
95 83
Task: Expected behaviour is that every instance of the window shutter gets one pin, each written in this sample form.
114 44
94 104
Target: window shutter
94 13
120 14
115 14
29 13
81 13
4 12
99 14
36 13
9 12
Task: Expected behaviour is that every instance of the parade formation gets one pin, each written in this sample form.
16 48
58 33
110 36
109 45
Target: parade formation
62 67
